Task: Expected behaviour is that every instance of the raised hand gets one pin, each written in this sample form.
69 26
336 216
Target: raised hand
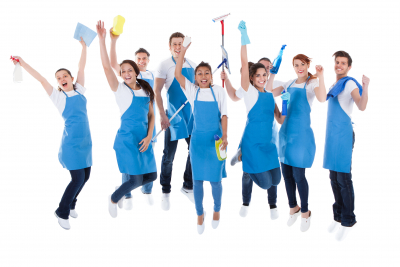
186 42
243 30
82 42
320 71
224 76
365 81
17 59
113 36
101 31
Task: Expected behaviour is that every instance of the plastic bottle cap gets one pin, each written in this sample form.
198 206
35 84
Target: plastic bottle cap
216 137
283 47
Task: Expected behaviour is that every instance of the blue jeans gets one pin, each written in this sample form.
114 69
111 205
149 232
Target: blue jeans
266 180
296 176
146 189
343 191
198 192
166 164
68 200
133 182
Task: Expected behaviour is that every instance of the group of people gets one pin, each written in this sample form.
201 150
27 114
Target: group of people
264 152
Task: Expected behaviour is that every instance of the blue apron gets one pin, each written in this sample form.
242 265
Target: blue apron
259 153
296 138
151 82
203 157
180 127
76 146
338 138
134 126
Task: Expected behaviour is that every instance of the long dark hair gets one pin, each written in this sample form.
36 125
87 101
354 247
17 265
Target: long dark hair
74 85
253 70
145 85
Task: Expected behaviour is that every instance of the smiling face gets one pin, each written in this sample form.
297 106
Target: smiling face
259 78
203 77
175 46
128 73
65 81
301 68
142 60
341 66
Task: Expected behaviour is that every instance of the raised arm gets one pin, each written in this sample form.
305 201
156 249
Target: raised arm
320 91
82 63
46 85
111 77
269 87
113 53
178 68
245 80
229 88
361 101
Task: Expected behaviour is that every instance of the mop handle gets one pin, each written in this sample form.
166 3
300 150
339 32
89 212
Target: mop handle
222 24
173 116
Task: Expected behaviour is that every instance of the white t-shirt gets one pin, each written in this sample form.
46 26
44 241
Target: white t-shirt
309 88
59 99
205 94
166 70
251 96
124 96
345 99
146 75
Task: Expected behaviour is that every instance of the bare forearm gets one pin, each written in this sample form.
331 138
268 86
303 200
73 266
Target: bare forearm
231 91
321 91
178 69
224 124
159 103
81 67
151 119
113 56
245 80
103 55
364 99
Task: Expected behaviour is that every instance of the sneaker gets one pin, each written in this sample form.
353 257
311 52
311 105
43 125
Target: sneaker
235 158
343 232
244 210
188 193
165 201
274 213
293 218
305 223
149 198
128 205
333 227
112 208
63 223
73 214
121 201
215 224
200 228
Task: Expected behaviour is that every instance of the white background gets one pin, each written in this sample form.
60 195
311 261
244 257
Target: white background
32 181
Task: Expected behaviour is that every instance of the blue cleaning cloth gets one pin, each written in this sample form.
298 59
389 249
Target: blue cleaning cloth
243 30
339 87
87 34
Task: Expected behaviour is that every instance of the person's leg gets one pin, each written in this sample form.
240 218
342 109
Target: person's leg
247 187
216 188
77 180
273 190
299 175
133 182
262 179
337 206
347 194
147 188
167 161
290 184
198 196
87 175
125 178
187 176
149 178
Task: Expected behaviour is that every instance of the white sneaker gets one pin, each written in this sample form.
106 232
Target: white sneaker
200 228
235 158
149 199
73 214
333 226
293 218
188 193
128 205
305 223
215 224
244 210
112 208
63 223
121 201
343 232
274 213
165 201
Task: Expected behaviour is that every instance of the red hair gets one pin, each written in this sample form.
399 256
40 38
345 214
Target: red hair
305 60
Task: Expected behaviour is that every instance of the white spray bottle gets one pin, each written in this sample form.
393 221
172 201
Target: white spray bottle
17 71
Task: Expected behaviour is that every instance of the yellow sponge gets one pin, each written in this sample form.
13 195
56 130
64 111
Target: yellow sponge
118 25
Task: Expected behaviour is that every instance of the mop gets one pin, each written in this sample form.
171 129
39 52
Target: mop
221 18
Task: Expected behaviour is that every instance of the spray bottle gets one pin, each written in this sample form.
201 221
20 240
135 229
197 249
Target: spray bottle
274 70
17 71
221 154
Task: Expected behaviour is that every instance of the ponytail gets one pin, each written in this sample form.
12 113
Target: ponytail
146 87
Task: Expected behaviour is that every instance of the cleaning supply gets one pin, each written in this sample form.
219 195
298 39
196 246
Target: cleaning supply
220 153
243 30
274 70
186 41
286 100
118 25
222 18
17 71
87 34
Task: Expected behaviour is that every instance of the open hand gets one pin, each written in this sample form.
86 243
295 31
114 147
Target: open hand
145 144
101 31
224 143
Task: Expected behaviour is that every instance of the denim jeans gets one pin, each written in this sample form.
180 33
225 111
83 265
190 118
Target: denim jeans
133 182
296 176
146 189
343 191
266 180
68 200
166 164
198 192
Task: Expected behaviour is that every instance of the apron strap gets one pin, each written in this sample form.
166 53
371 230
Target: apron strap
64 93
291 84
77 92
140 73
305 84
197 93
183 63
212 91
152 75
130 89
